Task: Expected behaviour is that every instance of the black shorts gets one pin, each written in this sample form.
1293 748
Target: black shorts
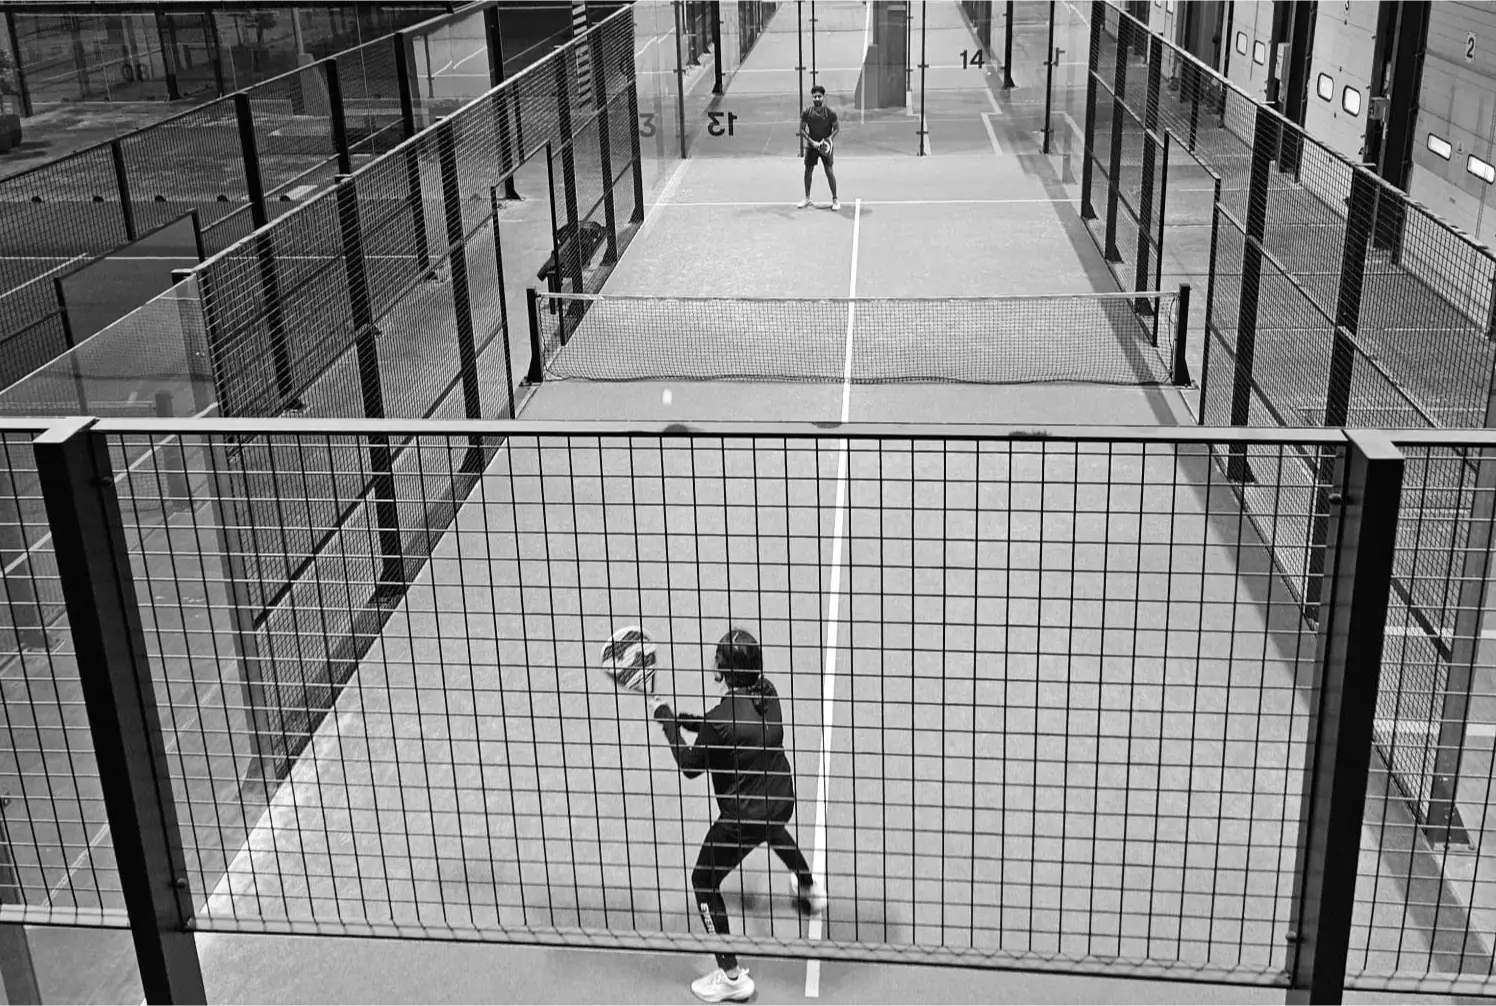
812 154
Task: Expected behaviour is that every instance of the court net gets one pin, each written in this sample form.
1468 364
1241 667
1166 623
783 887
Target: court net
1122 339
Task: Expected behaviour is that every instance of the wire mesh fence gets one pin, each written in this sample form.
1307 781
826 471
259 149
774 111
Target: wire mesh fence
1315 268
1121 693
241 160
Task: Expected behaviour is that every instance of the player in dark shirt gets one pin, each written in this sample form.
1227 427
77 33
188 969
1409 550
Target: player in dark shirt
819 126
740 742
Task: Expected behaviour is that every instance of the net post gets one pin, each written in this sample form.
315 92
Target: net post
493 34
1088 151
1114 171
391 583
532 309
119 694
122 184
1367 493
1264 144
1181 332
467 353
337 116
80 388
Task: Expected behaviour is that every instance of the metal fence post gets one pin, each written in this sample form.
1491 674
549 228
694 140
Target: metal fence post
337 116
498 263
366 348
924 62
1368 491
122 183
1119 114
1088 154
715 10
1150 163
493 34
15 47
249 150
414 191
631 72
93 563
65 322
17 971
605 152
467 353
572 250
680 83
1264 146
1008 47
800 67
1049 61
1359 212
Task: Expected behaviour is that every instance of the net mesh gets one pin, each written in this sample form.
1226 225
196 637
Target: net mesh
1097 338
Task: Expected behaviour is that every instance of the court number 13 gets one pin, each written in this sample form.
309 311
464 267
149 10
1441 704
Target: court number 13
970 59
716 128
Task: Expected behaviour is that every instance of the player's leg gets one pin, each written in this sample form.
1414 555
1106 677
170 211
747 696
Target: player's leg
724 848
831 180
809 895
810 170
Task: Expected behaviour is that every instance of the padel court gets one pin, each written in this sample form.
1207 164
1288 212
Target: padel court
1037 696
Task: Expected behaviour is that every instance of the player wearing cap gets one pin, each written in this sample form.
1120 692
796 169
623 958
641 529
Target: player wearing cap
740 742
819 126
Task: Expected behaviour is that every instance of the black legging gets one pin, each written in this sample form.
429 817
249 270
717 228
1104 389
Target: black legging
727 843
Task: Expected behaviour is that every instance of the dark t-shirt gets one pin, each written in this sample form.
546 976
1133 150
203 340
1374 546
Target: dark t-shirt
818 123
744 751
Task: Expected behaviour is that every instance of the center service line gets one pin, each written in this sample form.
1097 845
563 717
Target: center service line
828 679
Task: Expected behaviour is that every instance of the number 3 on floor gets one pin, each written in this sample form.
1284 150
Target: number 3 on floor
716 128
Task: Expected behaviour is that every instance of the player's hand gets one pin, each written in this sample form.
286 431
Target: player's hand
663 713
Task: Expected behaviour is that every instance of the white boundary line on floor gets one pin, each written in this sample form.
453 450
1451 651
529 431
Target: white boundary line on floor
828 678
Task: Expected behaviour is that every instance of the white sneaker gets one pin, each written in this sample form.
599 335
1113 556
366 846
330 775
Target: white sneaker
812 899
717 987
803 203
835 204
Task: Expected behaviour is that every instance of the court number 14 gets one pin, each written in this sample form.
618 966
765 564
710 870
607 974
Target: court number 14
970 59
716 128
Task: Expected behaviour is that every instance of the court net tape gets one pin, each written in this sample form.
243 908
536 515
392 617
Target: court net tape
1121 339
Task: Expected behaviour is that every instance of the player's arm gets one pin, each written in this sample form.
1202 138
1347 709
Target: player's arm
691 759
835 126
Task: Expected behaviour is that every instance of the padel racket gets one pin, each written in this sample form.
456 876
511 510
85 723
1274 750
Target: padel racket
629 659
826 146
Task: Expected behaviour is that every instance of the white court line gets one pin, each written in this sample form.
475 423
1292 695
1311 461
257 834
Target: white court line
828 679
991 133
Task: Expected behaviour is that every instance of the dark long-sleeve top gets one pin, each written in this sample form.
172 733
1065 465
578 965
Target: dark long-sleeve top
744 752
